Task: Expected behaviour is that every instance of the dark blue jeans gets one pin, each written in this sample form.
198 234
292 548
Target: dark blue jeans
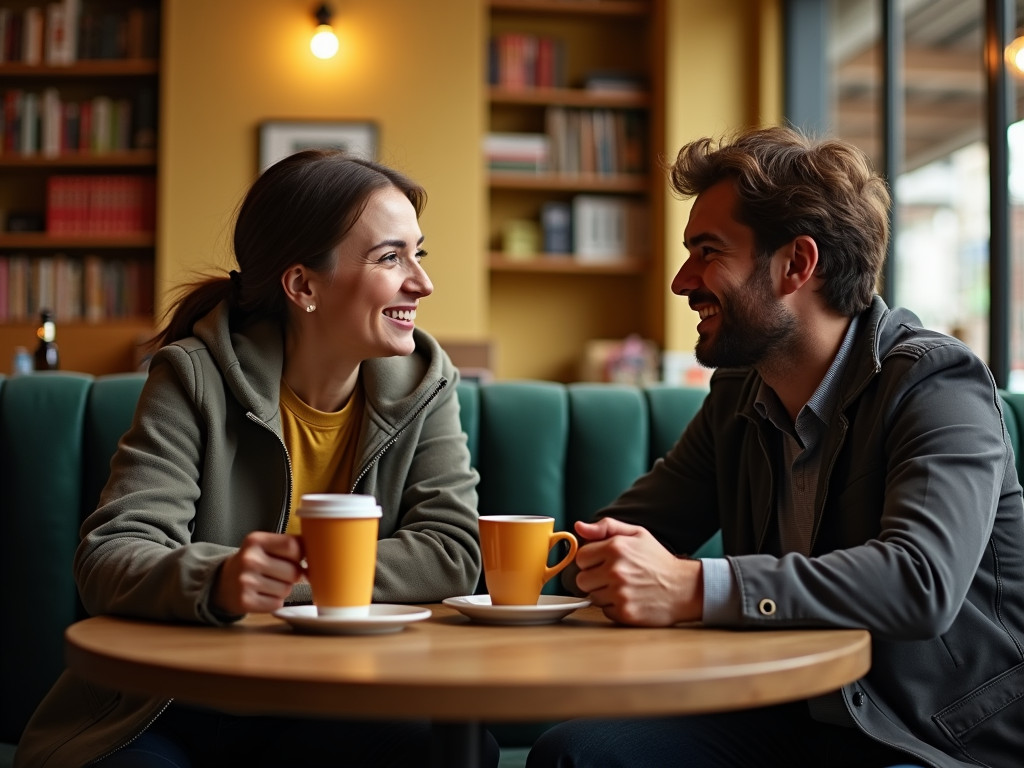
183 737
769 737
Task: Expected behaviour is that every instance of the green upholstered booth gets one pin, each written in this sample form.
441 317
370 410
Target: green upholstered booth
541 448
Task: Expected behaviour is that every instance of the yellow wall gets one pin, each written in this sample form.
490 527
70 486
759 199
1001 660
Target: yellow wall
414 67
724 71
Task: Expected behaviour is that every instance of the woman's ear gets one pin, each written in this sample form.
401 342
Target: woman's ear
800 260
297 286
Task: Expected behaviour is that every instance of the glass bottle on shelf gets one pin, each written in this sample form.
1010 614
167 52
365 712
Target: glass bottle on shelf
46 358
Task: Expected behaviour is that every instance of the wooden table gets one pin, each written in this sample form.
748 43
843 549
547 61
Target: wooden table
453 671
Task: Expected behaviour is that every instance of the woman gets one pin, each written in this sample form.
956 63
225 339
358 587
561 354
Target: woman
300 372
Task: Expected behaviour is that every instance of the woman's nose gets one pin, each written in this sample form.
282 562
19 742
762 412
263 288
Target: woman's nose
418 282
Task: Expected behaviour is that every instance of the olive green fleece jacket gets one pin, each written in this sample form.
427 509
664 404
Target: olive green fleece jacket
204 464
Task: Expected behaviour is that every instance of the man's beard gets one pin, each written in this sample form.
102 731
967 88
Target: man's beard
754 327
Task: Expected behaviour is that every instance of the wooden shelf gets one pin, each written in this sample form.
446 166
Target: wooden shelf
568 182
569 97
45 240
564 264
135 158
88 68
578 7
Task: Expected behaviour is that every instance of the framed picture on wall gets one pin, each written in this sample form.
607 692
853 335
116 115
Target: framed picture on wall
280 138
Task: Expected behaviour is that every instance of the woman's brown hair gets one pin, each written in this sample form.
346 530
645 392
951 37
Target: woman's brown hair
789 185
296 212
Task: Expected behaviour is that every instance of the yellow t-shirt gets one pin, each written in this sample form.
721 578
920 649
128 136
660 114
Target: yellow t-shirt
322 446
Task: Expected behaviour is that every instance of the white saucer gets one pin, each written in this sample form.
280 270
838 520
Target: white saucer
549 609
383 618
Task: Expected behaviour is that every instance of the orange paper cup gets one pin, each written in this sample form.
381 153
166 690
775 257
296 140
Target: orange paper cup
339 536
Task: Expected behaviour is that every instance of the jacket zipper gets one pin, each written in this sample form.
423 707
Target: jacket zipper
394 438
137 735
285 512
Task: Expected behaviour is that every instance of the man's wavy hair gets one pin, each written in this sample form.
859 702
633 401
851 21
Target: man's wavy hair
790 185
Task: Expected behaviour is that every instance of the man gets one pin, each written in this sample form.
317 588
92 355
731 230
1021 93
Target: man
860 472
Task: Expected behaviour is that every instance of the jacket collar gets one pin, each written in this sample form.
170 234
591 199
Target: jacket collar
251 360
879 330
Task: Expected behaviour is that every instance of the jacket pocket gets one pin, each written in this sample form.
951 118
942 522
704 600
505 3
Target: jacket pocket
987 724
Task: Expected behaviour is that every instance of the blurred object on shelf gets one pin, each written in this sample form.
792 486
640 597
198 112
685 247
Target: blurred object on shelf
682 369
474 359
521 239
556 224
614 80
47 357
25 222
632 360
21 362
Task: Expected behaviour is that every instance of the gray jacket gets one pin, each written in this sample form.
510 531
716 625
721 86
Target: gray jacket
918 535
204 464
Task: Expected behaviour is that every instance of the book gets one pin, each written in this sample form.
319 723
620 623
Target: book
517 151
29 124
32 31
556 225
5 21
3 286
51 123
17 284
92 289
608 228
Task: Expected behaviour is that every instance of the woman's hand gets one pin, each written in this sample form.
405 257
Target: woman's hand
260 575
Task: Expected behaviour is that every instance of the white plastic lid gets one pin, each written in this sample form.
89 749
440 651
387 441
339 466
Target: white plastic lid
353 505
516 518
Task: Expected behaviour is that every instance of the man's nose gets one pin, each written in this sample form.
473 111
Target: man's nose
688 278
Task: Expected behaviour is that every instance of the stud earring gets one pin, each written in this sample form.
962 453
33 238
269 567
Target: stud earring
311 307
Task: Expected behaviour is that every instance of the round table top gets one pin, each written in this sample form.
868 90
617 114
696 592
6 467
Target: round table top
448 668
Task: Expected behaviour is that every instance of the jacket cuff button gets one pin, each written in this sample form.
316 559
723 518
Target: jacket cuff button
766 607
858 699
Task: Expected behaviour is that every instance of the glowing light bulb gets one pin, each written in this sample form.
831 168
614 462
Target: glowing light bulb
324 43
1015 57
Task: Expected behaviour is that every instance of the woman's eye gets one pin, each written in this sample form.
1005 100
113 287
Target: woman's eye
388 257
420 253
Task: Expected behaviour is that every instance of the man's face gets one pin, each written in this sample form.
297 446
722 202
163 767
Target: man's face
742 321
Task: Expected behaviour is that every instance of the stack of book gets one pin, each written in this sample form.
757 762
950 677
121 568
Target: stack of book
526 61
92 289
609 228
600 141
33 123
63 33
100 205
525 152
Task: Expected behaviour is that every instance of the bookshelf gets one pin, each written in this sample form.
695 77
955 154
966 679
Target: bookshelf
78 170
575 72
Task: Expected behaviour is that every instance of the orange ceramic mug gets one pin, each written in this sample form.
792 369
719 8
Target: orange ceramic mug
339 536
515 549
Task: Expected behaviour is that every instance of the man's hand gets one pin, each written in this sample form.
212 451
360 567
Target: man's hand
634 579
260 575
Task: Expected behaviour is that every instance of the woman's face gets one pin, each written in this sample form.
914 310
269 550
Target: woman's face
367 307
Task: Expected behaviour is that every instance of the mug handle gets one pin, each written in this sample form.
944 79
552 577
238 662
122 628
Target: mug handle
554 539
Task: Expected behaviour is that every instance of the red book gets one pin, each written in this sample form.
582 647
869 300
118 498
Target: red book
85 127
